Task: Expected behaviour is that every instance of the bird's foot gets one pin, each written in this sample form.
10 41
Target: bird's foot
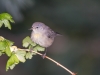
43 55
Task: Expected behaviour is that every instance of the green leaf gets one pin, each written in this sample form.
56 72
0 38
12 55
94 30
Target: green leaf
10 43
6 23
3 45
27 41
29 55
20 55
1 23
5 18
8 51
26 44
39 48
16 57
21 58
12 66
12 61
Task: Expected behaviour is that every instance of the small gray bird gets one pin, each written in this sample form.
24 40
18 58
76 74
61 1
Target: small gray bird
42 34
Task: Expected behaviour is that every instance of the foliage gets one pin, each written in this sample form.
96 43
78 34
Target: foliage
4 19
16 55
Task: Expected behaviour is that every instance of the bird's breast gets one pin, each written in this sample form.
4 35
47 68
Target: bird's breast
37 35
42 39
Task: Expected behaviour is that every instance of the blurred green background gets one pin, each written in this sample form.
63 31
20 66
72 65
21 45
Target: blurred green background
79 23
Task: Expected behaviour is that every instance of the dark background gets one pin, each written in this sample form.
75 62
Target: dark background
79 23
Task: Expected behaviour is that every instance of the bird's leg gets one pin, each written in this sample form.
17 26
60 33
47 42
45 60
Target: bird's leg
43 55
31 48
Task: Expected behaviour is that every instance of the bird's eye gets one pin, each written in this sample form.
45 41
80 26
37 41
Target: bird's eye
37 27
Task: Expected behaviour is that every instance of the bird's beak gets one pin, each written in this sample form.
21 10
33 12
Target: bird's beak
30 29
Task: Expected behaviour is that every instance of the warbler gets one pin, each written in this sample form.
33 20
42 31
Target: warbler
42 34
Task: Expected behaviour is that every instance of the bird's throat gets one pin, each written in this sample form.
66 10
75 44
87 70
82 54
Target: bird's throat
37 35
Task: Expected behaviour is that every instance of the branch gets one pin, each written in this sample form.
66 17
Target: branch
72 73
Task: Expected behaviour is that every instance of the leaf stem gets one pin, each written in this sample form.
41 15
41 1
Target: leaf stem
72 73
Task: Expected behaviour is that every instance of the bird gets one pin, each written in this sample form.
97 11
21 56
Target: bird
43 35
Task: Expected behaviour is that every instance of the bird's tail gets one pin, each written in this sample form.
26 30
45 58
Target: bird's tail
58 34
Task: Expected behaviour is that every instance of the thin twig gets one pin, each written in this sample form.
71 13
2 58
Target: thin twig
72 73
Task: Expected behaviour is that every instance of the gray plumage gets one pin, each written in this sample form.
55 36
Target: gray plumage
42 34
